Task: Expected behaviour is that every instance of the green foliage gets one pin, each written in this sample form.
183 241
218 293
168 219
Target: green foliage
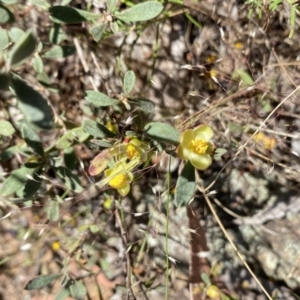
185 186
33 105
41 281
57 52
23 49
162 132
140 12
6 128
70 15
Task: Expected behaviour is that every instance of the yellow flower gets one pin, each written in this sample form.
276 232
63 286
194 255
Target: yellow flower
132 150
120 177
195 146
267 142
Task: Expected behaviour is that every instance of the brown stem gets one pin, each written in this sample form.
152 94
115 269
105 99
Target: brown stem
130 295
198 264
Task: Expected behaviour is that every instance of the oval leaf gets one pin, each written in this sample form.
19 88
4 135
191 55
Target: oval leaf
185 186
76 135
97 130
3 39
97 32
32 139
162 132
41 3
69 179
6 16
57 34
78 290
32 104
38 64
6 128
8 153
111 5
143 104
41 281
70 15
31 186
15 181
23 49
16 34
99 100
244 76
99 163
59 52
129 82
53 210
140 12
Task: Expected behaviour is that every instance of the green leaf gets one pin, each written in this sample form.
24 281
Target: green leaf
23 49
70 158
73 136
40 3
185 186
4 81
97 31
162 132
143 104
69 15
140 12
70 180
38 64
97 130
218 153
32 104
31 186
8 153
3 39
129 82
32 139
16 34
57 34
114 27
205 279
6 128
44 79
6 16
41 281
78 290
59 52
62 295
9 2
53 210
111 5
15 181
246 78
99 100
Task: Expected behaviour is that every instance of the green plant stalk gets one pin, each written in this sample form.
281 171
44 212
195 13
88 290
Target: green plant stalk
167 231
141 251
193 21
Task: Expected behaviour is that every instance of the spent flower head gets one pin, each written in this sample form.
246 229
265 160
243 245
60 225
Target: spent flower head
134 149
120 176
196 147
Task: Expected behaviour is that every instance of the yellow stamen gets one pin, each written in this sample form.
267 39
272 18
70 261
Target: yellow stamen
119 181
199 146
131 152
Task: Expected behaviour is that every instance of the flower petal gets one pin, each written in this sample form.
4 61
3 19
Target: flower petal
203 132
200 162
125 190
183 152
186 137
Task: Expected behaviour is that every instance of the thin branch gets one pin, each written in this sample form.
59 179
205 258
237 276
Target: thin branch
130 295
